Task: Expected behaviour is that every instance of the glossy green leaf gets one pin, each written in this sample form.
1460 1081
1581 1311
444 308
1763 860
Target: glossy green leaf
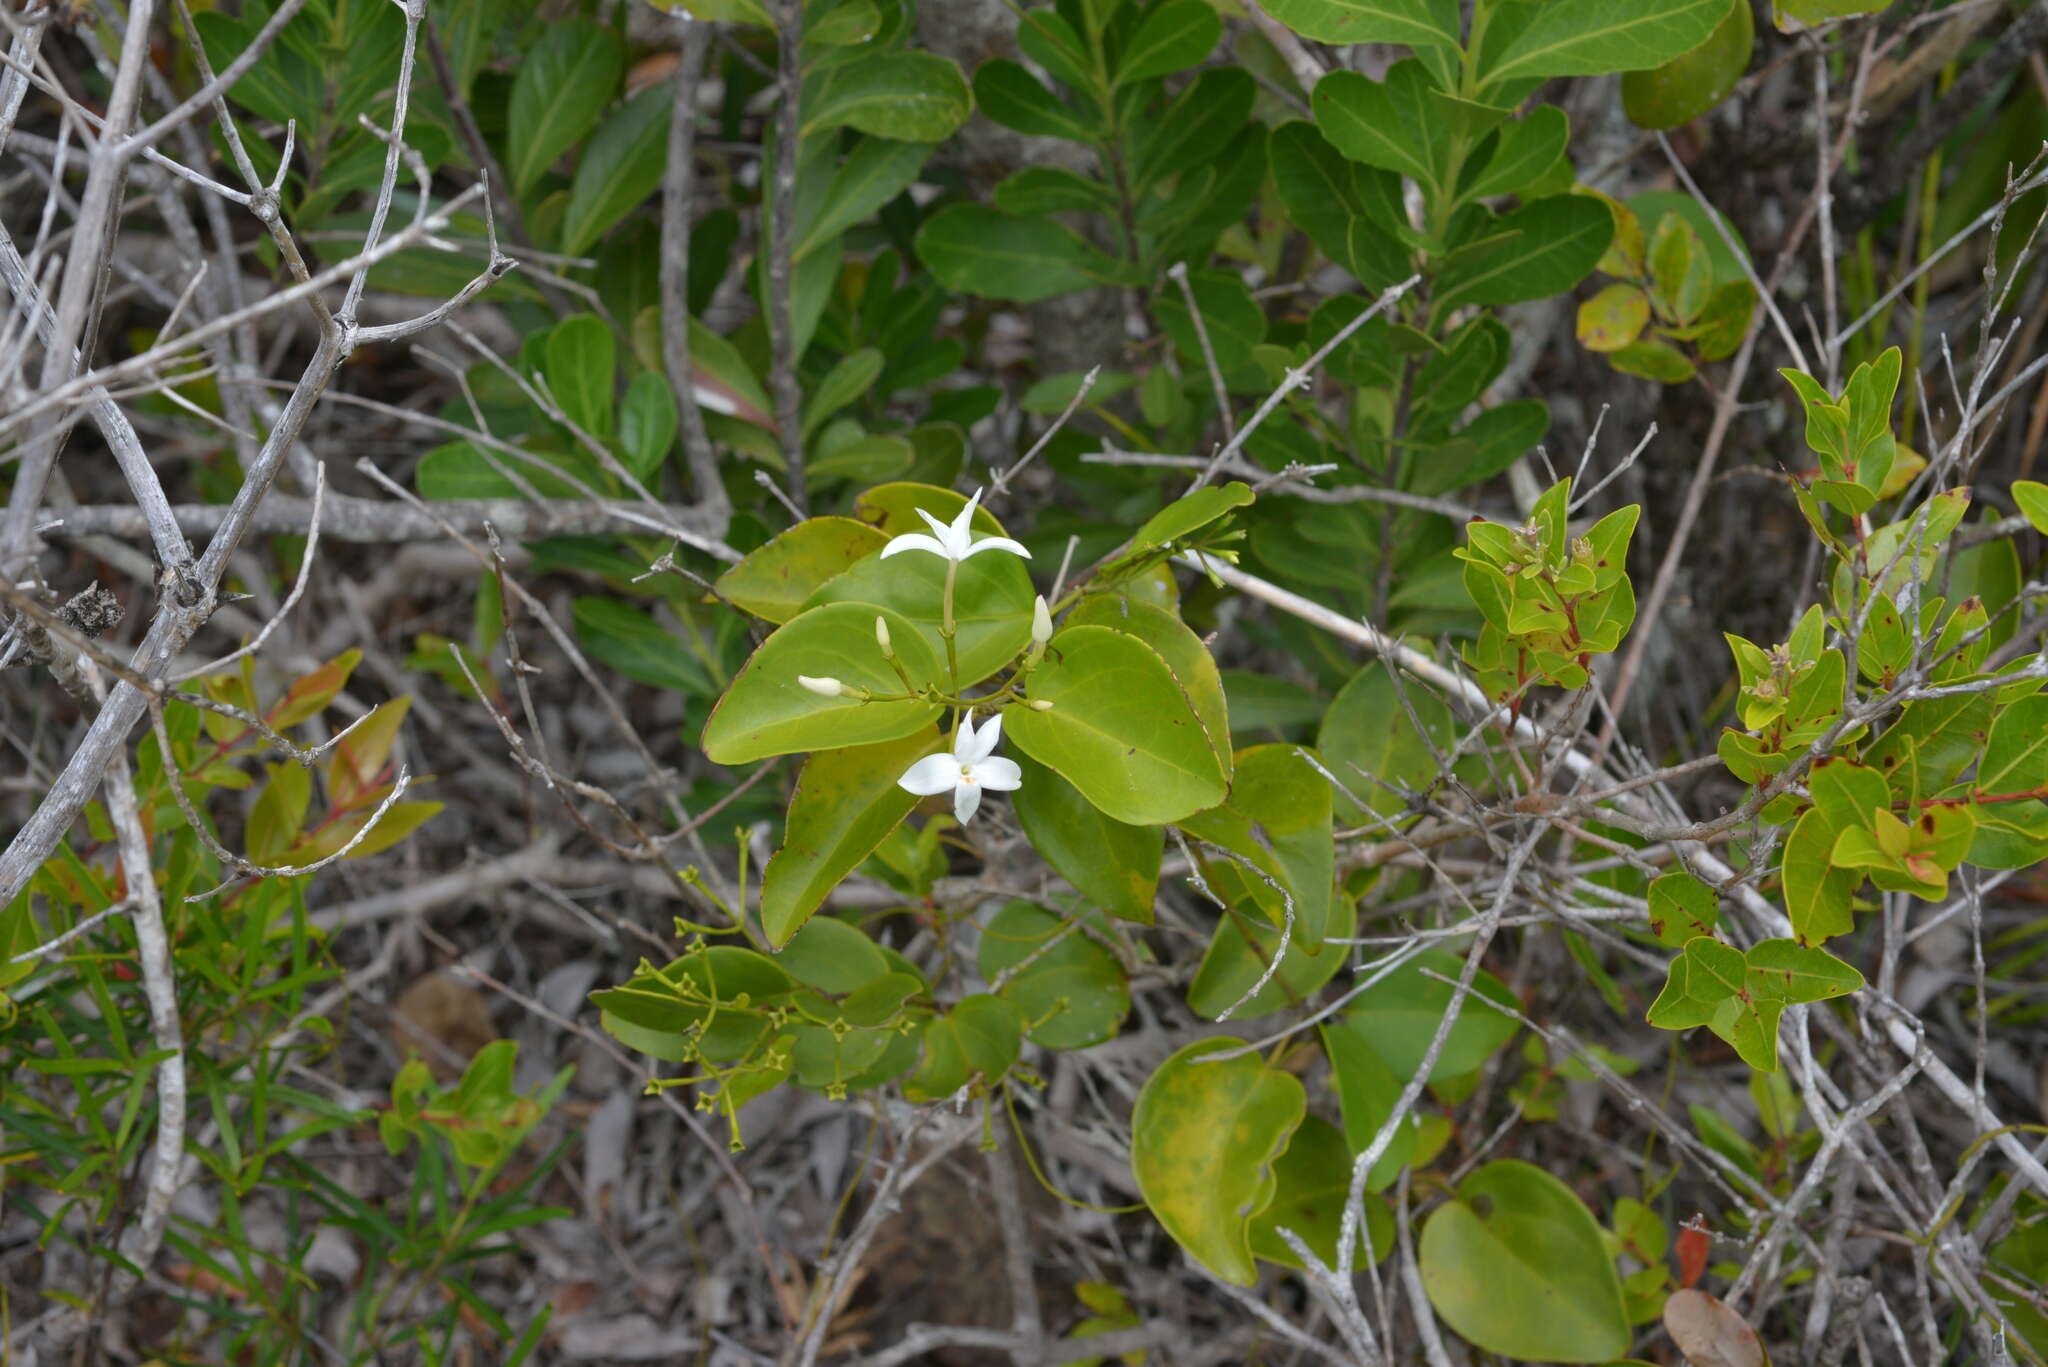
2031 497
1370 743
619 168
1016 99
1120 728
845 802
1312 1182
718 996
992 600
973 1043
563 84
1194 668
1516 1265
1071 990
2016 755
1113 865
908 96
647 423
1204 1140
1350 211
1789 971
1277 818
1392 123
1173 36
1523 152
1681 907
1186 515
1703 976
773 581
1367 1092
1543 248
1418 23
1594 37
1053 190
766 712
845 382
832 956
1689 85
581 360
1239 952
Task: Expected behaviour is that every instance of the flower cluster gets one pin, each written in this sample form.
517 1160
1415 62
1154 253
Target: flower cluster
973 764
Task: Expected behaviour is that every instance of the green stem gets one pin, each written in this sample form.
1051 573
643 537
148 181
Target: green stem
946 627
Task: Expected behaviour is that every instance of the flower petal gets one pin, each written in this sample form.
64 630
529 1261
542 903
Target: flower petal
939 529
916 541
998 773
966 801
972 746
931 775
995 543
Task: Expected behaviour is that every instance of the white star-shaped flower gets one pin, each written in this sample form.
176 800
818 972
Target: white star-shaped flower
971 767
953 542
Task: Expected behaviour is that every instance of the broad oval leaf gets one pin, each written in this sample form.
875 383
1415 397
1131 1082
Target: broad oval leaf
581 360
1173 36
1016 99
1204 1139
1418 23
1688 86
1277 818
1312 1183
766 712
1369 742
1528 1278
1593 37
1543 248
1113 865
1194 668
909 96
981 251
992 604
846 802
774 580
975 1042
1120 728
1399 1016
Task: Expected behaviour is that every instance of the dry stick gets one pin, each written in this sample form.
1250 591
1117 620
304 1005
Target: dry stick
371 522
1001 484
1178 273
1297 378
1027 1322
677 202
782 247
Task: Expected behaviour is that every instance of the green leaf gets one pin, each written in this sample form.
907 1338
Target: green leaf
1367 1092
1681 907
619 168
978 250
1543 248
581 361
1523 152
976 1041
1312 1182
1594 37
647 423
1204 1141
1071 990
1517 1266
1613 318
719 995
845 802
1053 190
1786 970
1120 728
1398 1016
1418 23
1016 99
992 600
766 712
1241 948
2031 496
1652 360
1820 11
2016 755
774 581
833 956
1113 865
875 172
622 637
1278 818
1230 315
1187 514
845 382
1370 743
1688 86
1194 668
909 96
564 83
1390 124
1703 976
1173 36
1350 211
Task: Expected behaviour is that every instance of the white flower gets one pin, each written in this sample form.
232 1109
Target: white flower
824 688
1041 622
955 542
966 771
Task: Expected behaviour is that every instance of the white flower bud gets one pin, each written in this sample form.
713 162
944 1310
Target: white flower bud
824 688
882 635
1041 621
1040 704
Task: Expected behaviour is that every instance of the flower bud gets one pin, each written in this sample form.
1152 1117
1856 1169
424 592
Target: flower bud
1040 704
882 636
1041 621
824 688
